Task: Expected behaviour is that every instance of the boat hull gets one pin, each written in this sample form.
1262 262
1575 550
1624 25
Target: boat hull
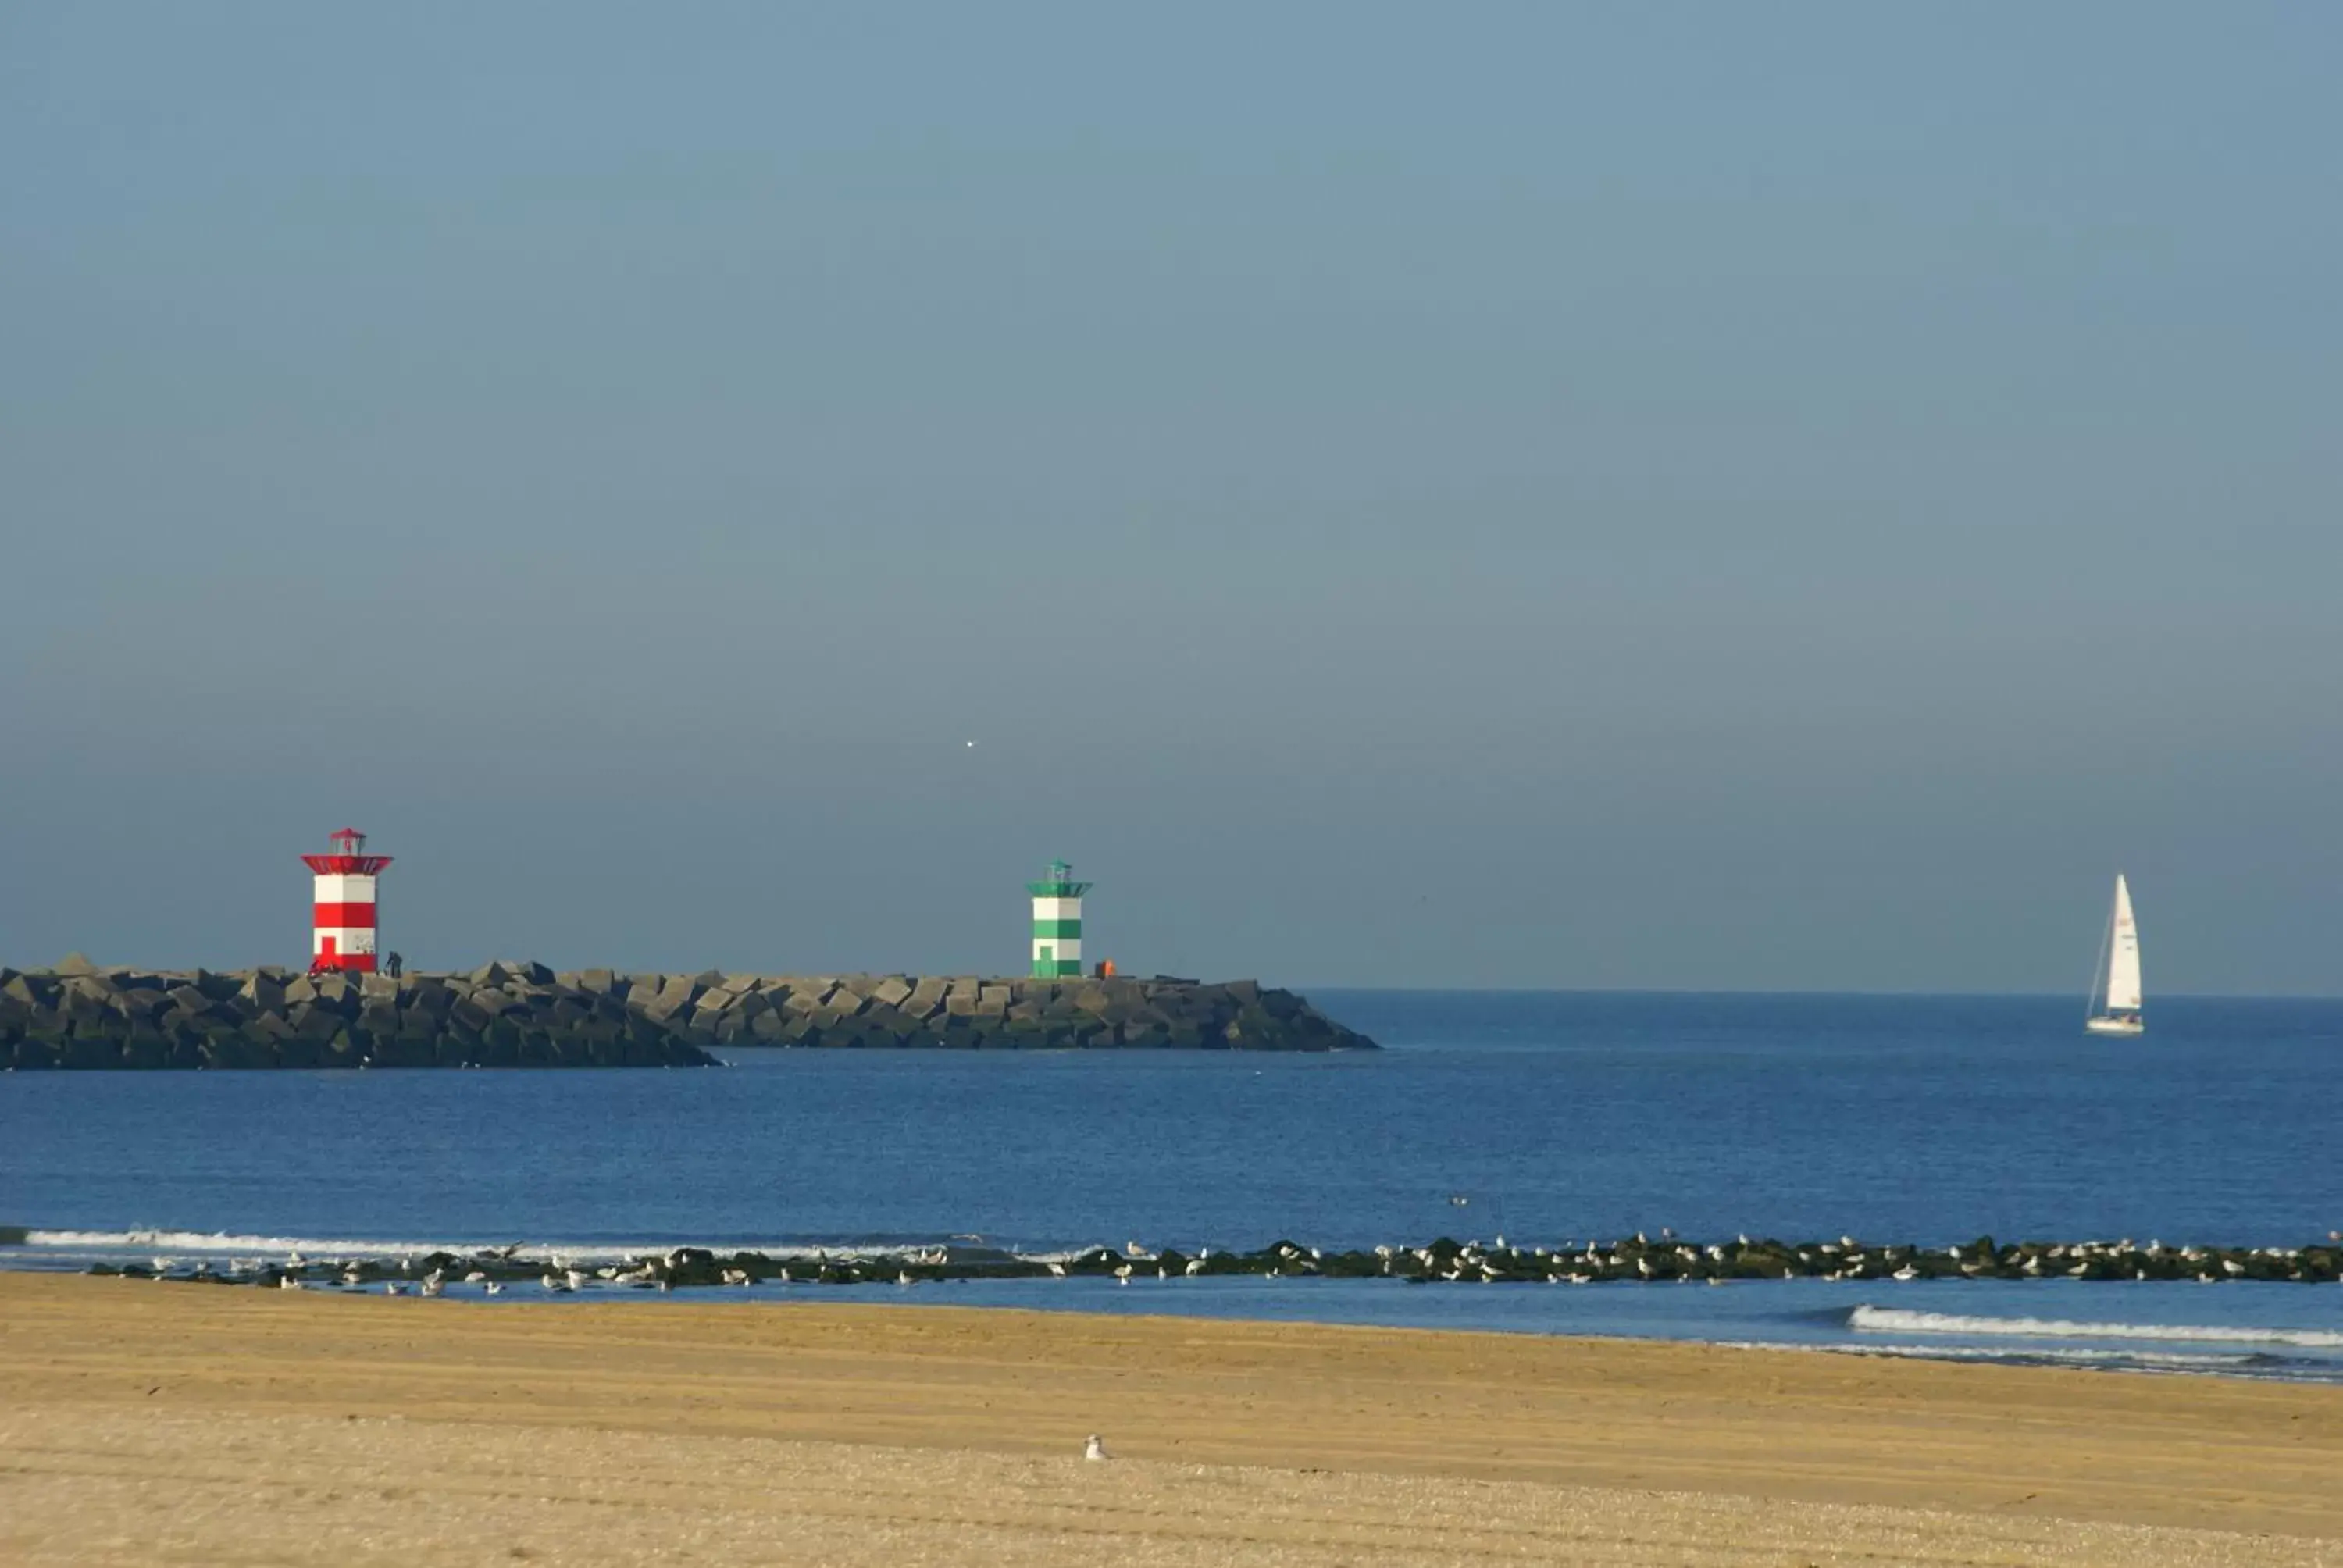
2115 1026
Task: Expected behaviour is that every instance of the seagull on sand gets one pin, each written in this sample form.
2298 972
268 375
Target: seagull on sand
1093 1449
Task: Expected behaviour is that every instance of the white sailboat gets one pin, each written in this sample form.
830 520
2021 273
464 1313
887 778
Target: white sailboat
2114 1007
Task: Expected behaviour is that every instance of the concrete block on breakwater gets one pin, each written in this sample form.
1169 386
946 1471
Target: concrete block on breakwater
83 1015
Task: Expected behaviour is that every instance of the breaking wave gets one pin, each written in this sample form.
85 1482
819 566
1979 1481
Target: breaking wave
1868 1319
77 1246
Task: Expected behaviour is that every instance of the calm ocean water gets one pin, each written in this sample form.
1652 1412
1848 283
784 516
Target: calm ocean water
1552 1116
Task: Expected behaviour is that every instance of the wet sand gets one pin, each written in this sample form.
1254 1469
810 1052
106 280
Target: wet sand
143 1423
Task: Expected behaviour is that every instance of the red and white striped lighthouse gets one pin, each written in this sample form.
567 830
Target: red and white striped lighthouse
341 934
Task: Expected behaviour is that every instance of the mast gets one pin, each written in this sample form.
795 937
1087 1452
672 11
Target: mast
2098 986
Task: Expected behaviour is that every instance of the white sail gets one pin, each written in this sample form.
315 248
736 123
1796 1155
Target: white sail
2123 954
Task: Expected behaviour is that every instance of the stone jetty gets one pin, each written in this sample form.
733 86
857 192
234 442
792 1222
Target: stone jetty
1641 1260
508 1014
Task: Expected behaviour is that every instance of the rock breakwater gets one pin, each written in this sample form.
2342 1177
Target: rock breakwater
968 1012
1444 1260
81 1015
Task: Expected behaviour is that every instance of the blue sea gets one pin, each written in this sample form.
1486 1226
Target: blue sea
1543 1117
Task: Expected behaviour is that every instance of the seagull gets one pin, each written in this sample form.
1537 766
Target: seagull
394 1289
904 1278
475 1277
288 1283
1093 1449
1059 1270
492 1288
1195 1266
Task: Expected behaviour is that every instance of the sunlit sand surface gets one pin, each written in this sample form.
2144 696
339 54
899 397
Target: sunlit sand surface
144 1423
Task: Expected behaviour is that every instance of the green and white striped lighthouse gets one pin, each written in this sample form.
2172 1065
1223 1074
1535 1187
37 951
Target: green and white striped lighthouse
1057 922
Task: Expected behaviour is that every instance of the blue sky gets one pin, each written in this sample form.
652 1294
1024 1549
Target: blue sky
1556 496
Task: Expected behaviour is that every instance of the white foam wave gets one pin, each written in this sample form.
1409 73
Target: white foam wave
2070 1355
223 1241
81 1244
195 1244
1868 1319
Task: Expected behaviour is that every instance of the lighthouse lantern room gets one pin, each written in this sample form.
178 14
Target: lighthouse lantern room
342 920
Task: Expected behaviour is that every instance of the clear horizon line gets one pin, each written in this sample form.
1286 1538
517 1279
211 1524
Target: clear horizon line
1306 988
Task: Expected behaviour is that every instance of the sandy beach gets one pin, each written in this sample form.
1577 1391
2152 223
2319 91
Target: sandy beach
146 1423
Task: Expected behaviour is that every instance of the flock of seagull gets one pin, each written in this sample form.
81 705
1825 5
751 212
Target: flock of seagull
1643 1258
